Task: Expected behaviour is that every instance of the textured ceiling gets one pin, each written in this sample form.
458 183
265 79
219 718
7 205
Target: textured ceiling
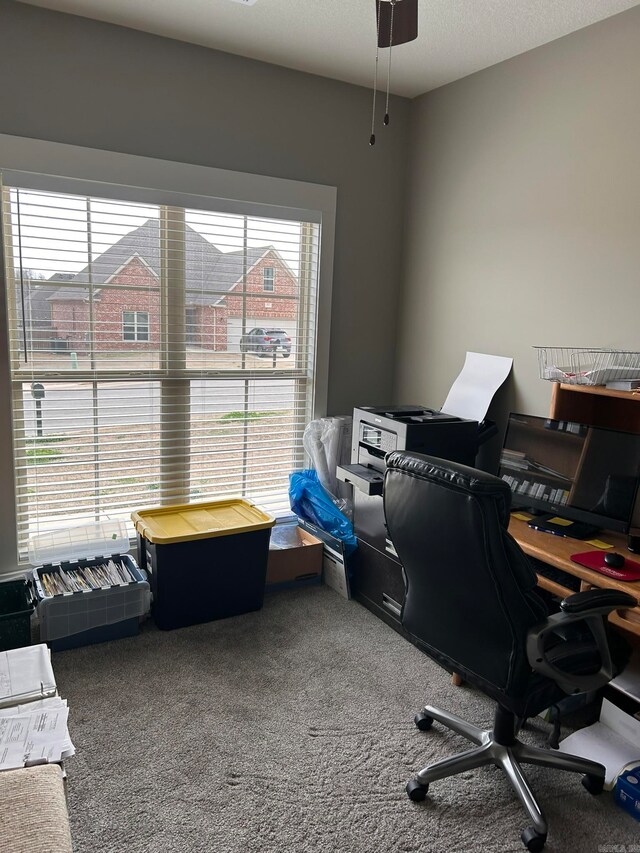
336 38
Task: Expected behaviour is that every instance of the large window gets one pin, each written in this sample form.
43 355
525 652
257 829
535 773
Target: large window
129 316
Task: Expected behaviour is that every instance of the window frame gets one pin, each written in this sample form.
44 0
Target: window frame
269 280
137 327
41 165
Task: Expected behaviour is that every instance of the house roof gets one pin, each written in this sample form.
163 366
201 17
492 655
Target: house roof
38 293
207 268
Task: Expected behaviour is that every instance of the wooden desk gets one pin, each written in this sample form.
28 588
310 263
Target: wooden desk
557 550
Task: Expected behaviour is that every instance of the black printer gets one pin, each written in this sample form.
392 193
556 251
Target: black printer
377 580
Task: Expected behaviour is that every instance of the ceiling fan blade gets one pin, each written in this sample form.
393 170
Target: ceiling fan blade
405 22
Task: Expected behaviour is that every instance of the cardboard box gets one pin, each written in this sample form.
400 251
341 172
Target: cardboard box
296 564
628 791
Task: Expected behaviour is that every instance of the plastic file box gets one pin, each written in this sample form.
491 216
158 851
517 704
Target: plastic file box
205 561
80 618
16 606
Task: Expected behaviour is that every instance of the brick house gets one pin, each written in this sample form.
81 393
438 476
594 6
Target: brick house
126 295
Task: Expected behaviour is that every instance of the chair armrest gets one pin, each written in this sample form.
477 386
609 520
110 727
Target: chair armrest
591 608
602 600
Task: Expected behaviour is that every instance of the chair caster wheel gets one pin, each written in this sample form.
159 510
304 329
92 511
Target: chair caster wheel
533 840
417 791
423 721
593 784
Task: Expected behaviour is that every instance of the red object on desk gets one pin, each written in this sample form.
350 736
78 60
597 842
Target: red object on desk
595 560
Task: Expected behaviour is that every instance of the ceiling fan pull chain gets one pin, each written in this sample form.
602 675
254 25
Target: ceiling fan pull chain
386 112
372 138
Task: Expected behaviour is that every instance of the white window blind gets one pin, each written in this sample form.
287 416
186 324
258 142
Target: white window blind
132 385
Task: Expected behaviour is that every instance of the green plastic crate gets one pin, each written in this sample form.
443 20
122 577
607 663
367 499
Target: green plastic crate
16 607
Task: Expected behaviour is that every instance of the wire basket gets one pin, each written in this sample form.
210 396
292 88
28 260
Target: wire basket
576 366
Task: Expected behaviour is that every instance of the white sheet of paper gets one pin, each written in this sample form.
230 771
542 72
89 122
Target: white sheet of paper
25 674
33 707
613 741
477 382
599 743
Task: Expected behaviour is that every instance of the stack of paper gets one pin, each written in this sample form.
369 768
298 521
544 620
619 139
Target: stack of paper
34 733
33 718
26 674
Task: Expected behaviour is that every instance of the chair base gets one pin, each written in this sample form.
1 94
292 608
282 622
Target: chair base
500 746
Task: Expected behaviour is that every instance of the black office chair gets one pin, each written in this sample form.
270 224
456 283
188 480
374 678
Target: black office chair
471 604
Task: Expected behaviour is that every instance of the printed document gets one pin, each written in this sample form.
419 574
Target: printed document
34 732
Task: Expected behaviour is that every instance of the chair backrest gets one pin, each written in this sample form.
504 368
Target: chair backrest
470 591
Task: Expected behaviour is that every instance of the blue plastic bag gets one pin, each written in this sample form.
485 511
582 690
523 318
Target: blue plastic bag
310 500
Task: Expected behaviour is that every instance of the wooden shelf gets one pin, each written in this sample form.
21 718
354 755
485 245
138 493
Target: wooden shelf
596 405
600 391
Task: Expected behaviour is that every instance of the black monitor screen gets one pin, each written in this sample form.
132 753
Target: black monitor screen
572 470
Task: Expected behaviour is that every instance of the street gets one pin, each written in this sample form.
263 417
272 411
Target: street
71 408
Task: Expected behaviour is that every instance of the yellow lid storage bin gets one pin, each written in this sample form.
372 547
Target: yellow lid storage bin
205 560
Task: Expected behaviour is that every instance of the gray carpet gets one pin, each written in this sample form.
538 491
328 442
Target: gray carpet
290 729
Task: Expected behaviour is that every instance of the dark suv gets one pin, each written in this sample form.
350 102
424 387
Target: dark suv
266 341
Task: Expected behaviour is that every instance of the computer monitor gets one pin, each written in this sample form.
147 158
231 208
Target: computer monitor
576 478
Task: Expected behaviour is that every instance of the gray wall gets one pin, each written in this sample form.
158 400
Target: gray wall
523 217
69 79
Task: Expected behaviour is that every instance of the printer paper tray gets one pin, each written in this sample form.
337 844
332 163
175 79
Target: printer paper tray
365 479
